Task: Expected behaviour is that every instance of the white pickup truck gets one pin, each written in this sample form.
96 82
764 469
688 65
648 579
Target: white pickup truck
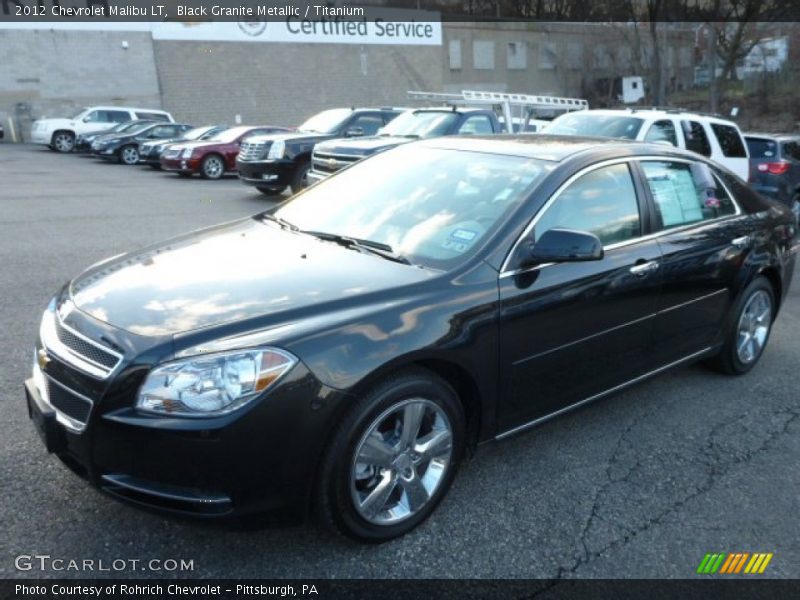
60 134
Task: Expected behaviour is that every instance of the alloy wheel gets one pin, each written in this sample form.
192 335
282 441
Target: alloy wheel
753 329
64 142
130 155
401 461
212 167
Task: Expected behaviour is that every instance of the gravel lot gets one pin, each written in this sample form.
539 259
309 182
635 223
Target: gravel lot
641 485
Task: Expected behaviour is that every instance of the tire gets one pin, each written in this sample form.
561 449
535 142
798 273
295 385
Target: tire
269 191
63 142
300 177
129 155
374 426
213 167
747 330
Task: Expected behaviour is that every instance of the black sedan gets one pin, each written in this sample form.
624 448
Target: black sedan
341 353
124 147
83 143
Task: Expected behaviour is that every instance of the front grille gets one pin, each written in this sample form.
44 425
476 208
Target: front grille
85 349
252 150
68 402
330 163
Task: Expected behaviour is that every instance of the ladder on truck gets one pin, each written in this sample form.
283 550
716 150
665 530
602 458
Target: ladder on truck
526 103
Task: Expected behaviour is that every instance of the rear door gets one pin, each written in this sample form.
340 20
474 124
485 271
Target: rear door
732 149
703 237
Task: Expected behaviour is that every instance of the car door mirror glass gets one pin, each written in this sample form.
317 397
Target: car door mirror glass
562 245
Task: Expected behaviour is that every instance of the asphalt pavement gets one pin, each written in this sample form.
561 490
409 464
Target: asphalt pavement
640 485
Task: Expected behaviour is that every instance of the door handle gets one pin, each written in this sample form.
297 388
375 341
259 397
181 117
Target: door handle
640 270
741 242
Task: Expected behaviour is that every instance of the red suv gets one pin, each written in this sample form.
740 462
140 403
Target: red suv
214 157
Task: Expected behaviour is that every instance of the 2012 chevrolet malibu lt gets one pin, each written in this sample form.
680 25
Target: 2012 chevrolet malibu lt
339 355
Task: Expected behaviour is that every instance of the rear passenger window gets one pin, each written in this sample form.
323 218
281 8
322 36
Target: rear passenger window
791 150
729 140
662 131
118 116
602 202
696 138
686 193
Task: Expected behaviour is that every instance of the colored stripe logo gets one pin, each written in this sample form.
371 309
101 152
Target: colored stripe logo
733 563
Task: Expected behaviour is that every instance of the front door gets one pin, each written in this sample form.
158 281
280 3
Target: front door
569 331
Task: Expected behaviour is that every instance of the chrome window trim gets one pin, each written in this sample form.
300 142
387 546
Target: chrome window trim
650 236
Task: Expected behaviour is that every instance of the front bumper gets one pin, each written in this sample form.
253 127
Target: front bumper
180 165
41 136
151 158
260 460
270 173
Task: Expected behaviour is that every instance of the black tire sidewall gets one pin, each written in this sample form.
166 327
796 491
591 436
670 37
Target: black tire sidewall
334 486
300 173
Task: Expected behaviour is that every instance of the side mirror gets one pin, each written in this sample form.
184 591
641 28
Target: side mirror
86 119
354 132
562 245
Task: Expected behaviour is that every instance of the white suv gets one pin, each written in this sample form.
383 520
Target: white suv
718 139
59 134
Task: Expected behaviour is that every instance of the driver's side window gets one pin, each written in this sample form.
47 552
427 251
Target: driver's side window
96 116
602 202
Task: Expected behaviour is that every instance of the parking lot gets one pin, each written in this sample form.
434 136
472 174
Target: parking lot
640 485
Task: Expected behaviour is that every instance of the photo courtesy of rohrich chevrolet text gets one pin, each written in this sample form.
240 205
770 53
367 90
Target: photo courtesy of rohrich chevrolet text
406 299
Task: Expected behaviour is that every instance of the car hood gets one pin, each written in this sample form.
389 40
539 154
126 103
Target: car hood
362 146
233 272
201 144
289 137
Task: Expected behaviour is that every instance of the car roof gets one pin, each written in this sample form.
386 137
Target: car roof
655 113
774 136
553 148
133 108
455 109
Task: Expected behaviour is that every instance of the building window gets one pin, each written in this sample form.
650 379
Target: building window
454 52
516 56
483 54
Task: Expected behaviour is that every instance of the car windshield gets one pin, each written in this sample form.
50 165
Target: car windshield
762 147
420 124
199 133
230 135
79 114
434 207
597 125
138 127
327 121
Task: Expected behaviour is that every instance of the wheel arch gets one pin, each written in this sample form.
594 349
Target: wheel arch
771 274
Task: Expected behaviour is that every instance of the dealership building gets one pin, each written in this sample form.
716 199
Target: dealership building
281 72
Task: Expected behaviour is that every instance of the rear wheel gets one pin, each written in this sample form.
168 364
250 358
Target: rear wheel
129 155
63 141
270 191
748 330
213 166
392 459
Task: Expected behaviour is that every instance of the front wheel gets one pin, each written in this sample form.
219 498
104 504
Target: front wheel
213 167
63 141
300 179
748 330
392 459
129 155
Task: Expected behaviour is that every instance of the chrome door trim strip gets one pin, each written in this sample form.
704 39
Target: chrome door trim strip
616 388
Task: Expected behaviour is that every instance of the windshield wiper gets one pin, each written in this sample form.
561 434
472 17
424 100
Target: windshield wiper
282 222
377 248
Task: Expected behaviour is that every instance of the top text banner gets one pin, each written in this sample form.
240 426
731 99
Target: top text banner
248 21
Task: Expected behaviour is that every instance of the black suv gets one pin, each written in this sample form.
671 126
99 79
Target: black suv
273 162
775 167
330 156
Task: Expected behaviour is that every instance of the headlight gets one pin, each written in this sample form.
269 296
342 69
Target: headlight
187 153
276 150
212 385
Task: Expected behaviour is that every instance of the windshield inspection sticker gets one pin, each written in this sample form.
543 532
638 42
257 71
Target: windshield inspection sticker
464 235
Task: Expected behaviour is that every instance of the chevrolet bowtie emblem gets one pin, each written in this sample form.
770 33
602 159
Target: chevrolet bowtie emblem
42 358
